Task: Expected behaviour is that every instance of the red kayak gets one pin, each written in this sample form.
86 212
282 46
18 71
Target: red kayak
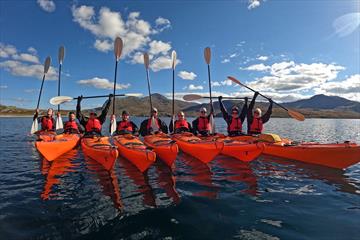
166 149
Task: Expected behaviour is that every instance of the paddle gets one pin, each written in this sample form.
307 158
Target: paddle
62 99
207 55
173 59
59 122
296 115
193 97
118 46
147 63
35 126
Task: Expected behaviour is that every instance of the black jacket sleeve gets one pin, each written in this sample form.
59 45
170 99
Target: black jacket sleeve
104 112
135 128
163 127
223 111
82 119
143 131
250 110
244 111
268 113
195 124
171 127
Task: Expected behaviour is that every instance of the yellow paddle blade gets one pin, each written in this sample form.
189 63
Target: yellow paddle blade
296 115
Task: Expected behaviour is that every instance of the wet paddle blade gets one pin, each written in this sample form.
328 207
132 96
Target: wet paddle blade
47 64
59 123
34 127
207 55
173 59
61 54
146 60
60 99
296 115
118 46
192 97
212 124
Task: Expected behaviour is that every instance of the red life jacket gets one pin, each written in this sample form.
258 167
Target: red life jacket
181 124
71 125
204 124
125 125
93 125
256 126
149 123
235 125
47 123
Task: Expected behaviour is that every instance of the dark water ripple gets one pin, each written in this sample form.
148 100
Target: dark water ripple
269 198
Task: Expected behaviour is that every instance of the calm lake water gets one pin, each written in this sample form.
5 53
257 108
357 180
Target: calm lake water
269 198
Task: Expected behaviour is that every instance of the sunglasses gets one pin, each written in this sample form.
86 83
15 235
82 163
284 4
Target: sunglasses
234 112
202 112
256 113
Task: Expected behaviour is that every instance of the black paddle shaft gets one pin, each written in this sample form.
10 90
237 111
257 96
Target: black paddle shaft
116 64
42 84
101 96
59 85
148 82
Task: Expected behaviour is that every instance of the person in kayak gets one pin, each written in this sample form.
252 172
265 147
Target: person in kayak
93 123
153 125
234 121
125 126
47 122
255 120
181 125
71 126
201 125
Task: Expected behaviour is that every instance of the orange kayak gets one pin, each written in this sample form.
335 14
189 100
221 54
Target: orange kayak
100 150
135 151
53 146
166 149
241 150
202 149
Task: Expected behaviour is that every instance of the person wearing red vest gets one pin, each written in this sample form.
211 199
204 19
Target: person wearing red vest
234 121
93 123
153 124
255 120
201 124
72 126
181 125
125 126
47 122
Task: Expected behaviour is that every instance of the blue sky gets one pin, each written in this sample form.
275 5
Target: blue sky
288 50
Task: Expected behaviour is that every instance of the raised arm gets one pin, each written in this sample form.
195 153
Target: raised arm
223 109
171 127
104 112
244 110
79 115
250 109
268 113
143 130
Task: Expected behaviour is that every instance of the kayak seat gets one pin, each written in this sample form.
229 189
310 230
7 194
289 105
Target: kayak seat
133 144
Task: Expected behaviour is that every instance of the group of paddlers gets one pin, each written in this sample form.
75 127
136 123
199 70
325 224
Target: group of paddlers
92 125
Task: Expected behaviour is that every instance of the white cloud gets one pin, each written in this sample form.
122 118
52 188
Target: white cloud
162 62
346 24
18 68
226 60
233 55
263 58
187 75
3 86
226 82
257 67
26 57
102 83
157 47
162 24
103 45
348 88
30 90
47 5
7 50
194 87
253 4
32 50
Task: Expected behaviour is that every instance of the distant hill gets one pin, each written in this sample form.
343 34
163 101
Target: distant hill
318 106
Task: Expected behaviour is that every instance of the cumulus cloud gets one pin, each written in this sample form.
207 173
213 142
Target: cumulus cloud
187 75
257 67
26 57
225 60
162 62
157 47
262 58
253 4
22 69
47 5
346 24
103 45
7 50
102 83
192 87
32 50
226 82
162 24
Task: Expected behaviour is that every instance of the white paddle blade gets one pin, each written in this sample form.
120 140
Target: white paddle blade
146 60
59 123
212 124
192 97
207 55
118 46
47 64
113 126
34 127
173 59
61 54
60 99
133 94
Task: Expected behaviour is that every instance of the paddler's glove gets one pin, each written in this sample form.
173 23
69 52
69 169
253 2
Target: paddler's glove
111 96
220 98
256 94
80 98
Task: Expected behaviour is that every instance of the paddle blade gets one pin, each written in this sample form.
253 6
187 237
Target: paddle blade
192 97
60 99
234 80
207 55
118 46
146 60
113 126
296 115
47 64
61 54
212 124
173 59
59 123
34 127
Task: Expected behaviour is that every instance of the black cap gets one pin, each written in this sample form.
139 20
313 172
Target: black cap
125 112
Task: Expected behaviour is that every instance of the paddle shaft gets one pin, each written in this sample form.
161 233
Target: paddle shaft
211 103
173 92
42 84
116 64
148 82
59 85
101 96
